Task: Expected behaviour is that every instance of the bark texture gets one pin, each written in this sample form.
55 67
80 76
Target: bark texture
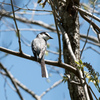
70 23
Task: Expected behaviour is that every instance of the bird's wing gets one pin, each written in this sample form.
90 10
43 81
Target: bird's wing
33 46
42 52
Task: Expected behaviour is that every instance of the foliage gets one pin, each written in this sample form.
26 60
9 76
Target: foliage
91 75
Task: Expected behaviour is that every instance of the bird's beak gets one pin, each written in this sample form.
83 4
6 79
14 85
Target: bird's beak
50 37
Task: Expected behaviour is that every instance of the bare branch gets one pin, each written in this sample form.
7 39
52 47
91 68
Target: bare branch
87 13
16 27
67 42
57 53
27 90
92 49
89 38
91 23
4 74
86 40
24 20
57 71
88 8
12 80
96 44
21 85
54 63
54 85
26 9
26 29
55 18
5 89
92 92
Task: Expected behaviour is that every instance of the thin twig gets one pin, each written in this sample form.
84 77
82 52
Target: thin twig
98 33
24 20
5 89
86 40
57 53
55 18
4 74
88 28
54 85
96 27
92 49
91 38
33 12
17 32
21 86
95 44
57 71
27 8
86 13
92 92
12 80
26 29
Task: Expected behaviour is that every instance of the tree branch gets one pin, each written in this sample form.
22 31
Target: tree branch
54 63
91 38
55 19
29 91
54 85
20 84
17 32
86 13
92 92
24 20
68 44
12 80
95 44
92 49
27 8
89 21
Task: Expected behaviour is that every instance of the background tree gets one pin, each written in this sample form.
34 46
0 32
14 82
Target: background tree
20 23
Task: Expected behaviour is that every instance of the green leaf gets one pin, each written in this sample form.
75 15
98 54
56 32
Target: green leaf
64 79
80 61
77 62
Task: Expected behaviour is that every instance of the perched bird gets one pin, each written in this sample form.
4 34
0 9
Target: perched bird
39 45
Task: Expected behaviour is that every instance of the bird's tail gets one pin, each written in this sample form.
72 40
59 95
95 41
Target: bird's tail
43 69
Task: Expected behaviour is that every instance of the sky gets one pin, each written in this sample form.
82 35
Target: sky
29 72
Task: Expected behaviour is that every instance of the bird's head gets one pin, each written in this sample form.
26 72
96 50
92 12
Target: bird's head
44 35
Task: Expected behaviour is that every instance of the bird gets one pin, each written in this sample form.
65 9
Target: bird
39 45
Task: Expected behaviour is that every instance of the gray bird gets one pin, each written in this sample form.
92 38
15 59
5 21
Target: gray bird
39 45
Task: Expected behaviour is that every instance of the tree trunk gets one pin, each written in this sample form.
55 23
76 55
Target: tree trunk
69 20
70 23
